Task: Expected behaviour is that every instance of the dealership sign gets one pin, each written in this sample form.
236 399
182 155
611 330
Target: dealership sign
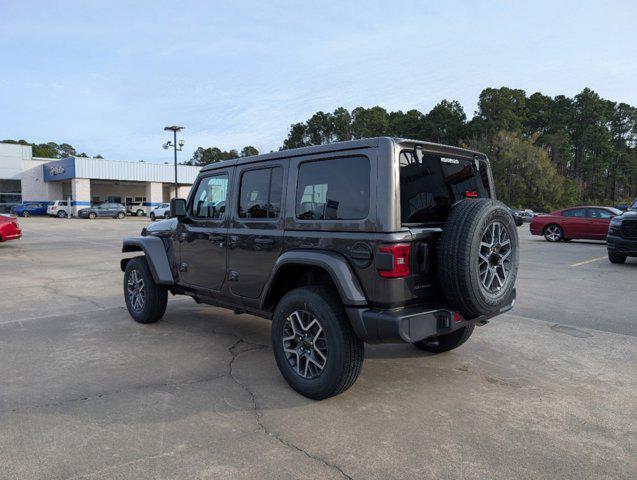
59 170
56 170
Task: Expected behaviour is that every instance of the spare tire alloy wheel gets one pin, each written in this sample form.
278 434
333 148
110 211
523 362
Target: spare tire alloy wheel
135 290
495 257
478 257
304 344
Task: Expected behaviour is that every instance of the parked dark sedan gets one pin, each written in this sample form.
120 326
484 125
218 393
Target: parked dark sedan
28 209
113 210
517 218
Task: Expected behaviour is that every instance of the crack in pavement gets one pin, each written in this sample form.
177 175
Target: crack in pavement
259 414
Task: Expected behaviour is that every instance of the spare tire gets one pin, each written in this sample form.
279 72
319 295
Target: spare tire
478 257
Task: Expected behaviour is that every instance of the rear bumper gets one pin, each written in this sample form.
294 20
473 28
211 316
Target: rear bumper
625 246
411 324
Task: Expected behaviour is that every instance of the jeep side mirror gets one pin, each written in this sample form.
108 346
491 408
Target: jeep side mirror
177 208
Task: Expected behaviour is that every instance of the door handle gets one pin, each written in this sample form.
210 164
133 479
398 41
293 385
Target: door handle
264 241
216 237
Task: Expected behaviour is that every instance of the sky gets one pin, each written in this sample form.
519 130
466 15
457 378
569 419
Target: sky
107 76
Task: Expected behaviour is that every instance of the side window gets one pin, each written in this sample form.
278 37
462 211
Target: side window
336 189
260 193
209 200
575 212
599 213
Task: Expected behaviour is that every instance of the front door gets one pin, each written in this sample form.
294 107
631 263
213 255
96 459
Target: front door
574 223
256 233
599 219
202 234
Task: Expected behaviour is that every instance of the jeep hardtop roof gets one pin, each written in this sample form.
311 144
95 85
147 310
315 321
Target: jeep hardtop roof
343 147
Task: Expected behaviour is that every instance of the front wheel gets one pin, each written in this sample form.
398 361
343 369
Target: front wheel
616 257
315 348
61 214
92 215
152 217
140 213
553 233
146 301
25 214
449 341
121 215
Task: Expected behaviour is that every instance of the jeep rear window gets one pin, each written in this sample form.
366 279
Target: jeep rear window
431 183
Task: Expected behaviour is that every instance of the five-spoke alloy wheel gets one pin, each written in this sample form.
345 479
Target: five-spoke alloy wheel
495 257
146 301
135 289
553 233
315 348
304 344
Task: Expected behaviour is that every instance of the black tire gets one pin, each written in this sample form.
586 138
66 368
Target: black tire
139 213
156 296
616 257
121 215
461 259
25 214
344 350
92 215
449 341
553 233
61 214
167 215
152 216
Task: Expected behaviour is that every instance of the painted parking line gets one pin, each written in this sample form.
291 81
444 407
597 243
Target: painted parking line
587 261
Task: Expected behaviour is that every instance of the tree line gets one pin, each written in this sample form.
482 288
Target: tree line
51 149
546 152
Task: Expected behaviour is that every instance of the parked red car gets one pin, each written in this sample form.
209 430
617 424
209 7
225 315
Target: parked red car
9 228
590 223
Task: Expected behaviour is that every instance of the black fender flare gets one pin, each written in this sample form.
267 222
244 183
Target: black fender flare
334 264
155 251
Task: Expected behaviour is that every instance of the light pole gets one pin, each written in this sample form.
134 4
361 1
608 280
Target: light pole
173 144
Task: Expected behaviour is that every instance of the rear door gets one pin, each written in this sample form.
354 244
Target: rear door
256 231
202 235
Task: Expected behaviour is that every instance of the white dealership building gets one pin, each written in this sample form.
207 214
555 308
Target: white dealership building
24 178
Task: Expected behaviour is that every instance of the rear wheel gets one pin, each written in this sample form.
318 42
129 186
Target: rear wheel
25 214
140 213
146 301
616 257
61 214
315 348
92 215
553 233
121 215
152 216
449 341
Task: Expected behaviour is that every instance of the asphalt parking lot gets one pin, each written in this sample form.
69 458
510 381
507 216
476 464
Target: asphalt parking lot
547 391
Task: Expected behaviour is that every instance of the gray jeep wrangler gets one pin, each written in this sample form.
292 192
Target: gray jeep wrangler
374 240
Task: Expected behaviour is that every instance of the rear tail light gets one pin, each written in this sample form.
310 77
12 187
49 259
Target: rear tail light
471 194
54 207
399 260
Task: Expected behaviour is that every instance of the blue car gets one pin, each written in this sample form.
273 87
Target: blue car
28 209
